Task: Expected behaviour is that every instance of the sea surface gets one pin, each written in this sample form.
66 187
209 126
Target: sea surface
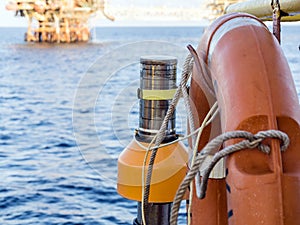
68 110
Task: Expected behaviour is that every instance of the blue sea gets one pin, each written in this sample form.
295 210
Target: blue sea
68 110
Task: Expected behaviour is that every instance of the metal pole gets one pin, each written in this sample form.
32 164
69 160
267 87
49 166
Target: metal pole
157 87
276 19
158 214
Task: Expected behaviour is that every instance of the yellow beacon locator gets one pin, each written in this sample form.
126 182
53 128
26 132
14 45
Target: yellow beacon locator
157 87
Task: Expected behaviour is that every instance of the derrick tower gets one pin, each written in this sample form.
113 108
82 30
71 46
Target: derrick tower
58 20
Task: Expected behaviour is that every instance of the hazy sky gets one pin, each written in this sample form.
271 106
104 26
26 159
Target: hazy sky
168 3
8 18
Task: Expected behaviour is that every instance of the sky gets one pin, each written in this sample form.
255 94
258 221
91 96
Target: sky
9 20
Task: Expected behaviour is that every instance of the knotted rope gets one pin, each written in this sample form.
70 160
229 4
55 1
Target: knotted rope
251 141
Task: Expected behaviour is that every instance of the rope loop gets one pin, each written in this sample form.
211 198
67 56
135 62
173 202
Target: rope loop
250 142
277 134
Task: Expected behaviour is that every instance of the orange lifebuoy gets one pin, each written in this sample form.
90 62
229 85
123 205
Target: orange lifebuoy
249 76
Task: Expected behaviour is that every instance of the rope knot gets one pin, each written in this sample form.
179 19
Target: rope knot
277 134
256 142
250 142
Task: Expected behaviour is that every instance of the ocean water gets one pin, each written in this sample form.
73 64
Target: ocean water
67 111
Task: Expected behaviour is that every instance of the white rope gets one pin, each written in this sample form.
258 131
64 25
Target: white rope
181 138
159 137
207 120
143 176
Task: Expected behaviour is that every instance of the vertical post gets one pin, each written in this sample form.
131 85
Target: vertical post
57 27
157 214
28 35
157 87
276 19
67 30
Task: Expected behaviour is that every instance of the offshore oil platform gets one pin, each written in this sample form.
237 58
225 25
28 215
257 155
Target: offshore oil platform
67 21
58 21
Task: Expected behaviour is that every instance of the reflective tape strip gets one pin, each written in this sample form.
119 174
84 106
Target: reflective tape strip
228 26
154 131
157 94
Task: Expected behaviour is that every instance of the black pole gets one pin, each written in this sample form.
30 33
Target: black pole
157 214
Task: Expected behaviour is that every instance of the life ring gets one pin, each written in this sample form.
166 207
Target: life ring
249 77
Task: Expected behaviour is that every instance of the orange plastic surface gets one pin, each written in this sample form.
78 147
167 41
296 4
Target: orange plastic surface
255 91
168 171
